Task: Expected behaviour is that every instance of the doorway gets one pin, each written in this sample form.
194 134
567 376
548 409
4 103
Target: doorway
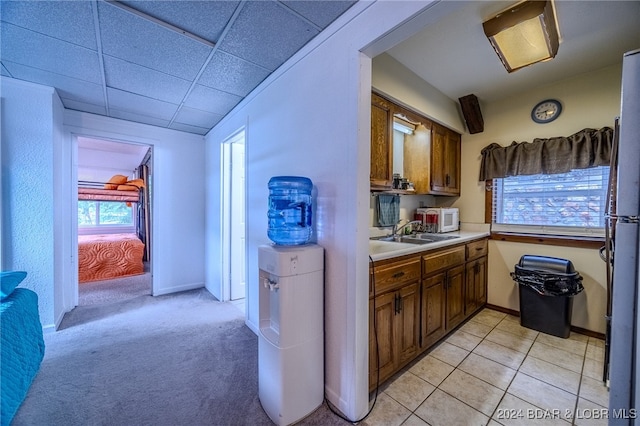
113 221
234 237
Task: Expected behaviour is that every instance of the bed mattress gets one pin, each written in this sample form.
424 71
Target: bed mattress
102 257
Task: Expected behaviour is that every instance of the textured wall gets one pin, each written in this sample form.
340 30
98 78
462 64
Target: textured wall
27 187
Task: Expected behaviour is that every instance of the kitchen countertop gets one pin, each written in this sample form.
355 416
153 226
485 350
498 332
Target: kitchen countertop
379 250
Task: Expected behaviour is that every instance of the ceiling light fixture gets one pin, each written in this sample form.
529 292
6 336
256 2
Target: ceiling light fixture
524 34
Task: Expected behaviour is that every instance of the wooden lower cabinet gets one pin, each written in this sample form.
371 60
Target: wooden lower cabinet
433 309
419 299
397 326
455 287
476 286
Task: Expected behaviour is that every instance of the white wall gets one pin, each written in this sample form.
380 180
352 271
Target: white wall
29 135
38 193
311 118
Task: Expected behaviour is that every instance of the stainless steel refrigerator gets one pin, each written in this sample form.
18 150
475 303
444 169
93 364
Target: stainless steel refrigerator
622 352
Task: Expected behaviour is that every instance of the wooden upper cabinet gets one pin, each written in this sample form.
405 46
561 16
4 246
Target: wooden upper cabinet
430 155
381 142
445 161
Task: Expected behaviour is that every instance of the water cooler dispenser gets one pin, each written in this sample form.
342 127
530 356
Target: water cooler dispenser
291 340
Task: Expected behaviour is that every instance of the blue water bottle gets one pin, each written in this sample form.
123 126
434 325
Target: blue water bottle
289 210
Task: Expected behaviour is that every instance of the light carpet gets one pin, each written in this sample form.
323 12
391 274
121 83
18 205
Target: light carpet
183 359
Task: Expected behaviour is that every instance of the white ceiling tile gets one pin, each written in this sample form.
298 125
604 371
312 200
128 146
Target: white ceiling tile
144 81
196 117
145 43
50 54
45 17
211 100
266 34
230 74
188 128
138 118
67 87
131 102
320 12
205 19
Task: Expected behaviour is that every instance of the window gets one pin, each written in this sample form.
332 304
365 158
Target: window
105 217
572 204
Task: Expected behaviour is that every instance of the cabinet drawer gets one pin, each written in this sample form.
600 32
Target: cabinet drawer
443 260
393 275
476 249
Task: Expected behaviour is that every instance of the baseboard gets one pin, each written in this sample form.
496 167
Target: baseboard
503 310
179 288
252 327
575 329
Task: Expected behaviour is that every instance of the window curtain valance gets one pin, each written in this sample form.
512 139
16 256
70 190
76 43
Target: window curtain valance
587 148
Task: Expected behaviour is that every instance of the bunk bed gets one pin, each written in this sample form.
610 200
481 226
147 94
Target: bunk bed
130 191
108 256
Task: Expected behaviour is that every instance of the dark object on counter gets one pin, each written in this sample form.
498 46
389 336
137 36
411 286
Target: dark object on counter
547 286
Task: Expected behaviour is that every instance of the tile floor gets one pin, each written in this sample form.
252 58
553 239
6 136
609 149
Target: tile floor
493 371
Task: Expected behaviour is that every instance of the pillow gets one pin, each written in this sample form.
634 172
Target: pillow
110 186
127 188
117 180
136 182
9 280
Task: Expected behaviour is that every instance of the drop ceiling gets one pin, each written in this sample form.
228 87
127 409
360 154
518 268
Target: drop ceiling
185 64
176 64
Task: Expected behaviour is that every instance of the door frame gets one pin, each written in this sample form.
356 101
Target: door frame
239 136
71 286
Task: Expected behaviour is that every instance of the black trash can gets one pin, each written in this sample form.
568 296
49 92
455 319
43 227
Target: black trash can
547 286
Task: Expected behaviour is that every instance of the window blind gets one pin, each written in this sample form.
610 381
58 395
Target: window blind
572 203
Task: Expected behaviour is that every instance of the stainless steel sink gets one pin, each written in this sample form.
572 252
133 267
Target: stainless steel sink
434 237
415 238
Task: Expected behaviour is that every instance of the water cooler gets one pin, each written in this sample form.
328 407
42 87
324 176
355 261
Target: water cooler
291 340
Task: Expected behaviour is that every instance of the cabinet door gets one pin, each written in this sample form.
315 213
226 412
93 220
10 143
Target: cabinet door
480 281
433 308
476 280
451 160
476 276
381 173
385 330
408 322
445 161
438 149
455 296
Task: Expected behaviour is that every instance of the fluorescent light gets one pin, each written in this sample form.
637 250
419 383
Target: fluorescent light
403 126
524 34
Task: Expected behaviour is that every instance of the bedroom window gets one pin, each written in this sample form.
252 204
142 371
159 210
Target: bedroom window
98 217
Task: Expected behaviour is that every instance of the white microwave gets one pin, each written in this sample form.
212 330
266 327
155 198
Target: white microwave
439 219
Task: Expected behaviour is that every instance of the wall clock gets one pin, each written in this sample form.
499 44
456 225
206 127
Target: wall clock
546 111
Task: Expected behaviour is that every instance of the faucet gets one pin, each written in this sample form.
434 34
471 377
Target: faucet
397 229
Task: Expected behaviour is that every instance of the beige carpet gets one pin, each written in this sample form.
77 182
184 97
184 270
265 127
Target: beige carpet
183 359
114 290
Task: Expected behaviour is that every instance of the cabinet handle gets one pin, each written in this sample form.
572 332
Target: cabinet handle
479 248
448 179
398 274
395 304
